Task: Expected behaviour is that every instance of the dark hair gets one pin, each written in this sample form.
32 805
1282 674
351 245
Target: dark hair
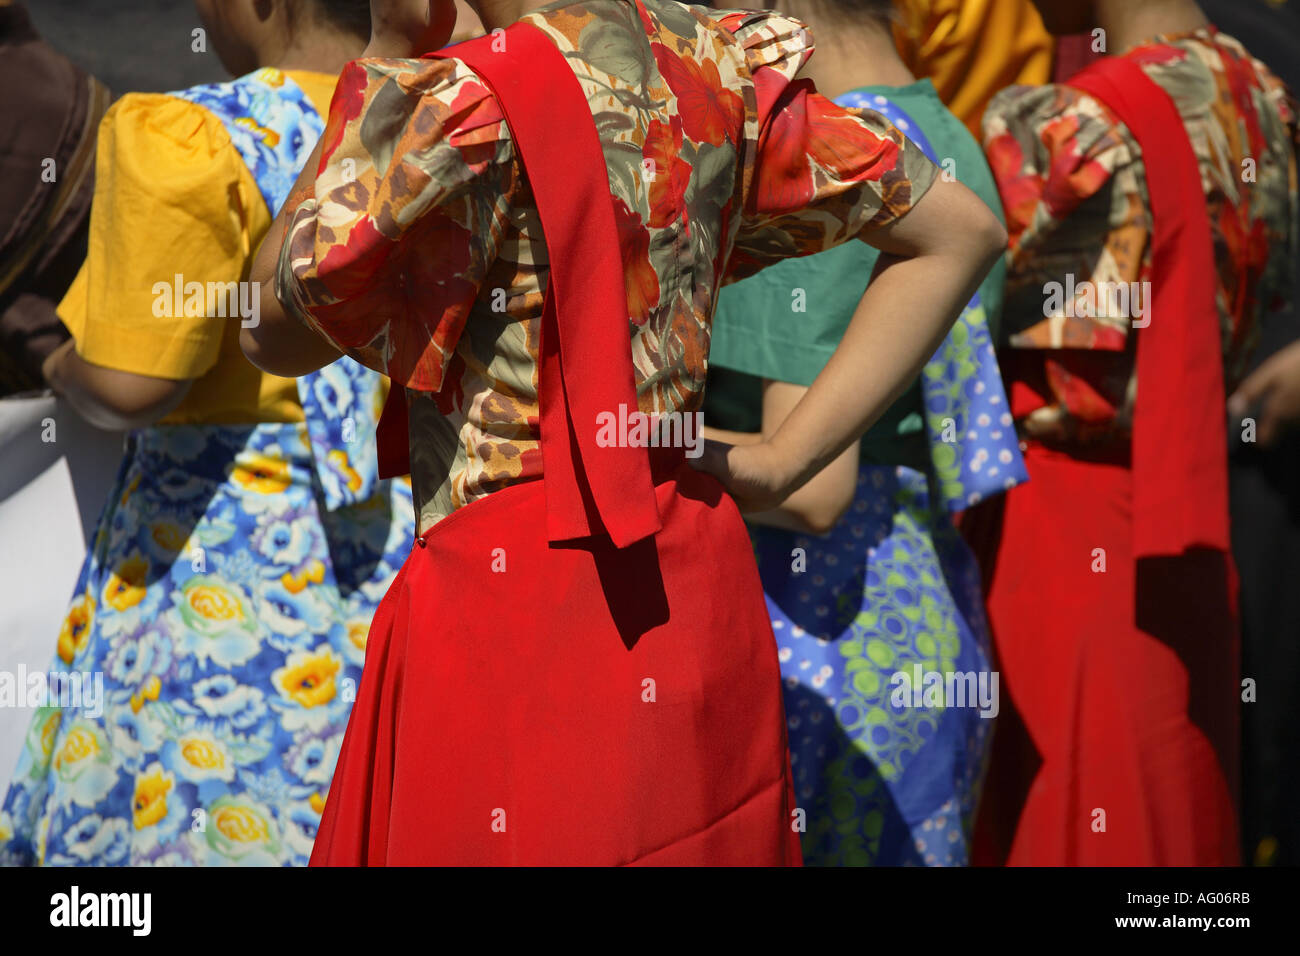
352 16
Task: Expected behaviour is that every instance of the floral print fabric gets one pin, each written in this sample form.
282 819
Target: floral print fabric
225 605
1074 188
274 127
420 252
227 612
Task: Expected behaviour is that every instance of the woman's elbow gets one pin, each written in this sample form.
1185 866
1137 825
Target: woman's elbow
268 342
950 221
990 237
124 404
281 346
265 354
250 343
821 522
825 513
977 229
255 337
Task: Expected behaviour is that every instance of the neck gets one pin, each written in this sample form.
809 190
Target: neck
502 13
1128 24
319 48
848 56
324 55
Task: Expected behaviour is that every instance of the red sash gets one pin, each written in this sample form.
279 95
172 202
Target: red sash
1180 465
586 360
529 698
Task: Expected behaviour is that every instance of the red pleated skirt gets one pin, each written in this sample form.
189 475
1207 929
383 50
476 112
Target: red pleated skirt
1122 674
526 704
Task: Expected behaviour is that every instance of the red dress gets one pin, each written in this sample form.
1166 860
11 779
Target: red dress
1111 587
577 670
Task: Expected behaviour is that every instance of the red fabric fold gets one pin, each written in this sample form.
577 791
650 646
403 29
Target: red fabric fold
1180 457
590 490
607 701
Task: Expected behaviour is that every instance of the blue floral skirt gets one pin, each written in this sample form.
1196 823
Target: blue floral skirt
219 627
887 768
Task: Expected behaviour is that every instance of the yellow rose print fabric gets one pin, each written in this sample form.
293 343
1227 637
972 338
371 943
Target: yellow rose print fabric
226 612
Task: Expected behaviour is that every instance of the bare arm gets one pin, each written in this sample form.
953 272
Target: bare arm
109 398
935 258
279 344
816 507
1272 394
730 437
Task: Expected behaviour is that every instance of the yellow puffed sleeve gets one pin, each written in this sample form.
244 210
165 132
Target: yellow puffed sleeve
172 199
971 49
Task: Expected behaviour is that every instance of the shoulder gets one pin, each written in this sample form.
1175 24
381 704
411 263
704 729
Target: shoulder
1267 89
444 90
164 132
769 39
1053 124
952 140
161 116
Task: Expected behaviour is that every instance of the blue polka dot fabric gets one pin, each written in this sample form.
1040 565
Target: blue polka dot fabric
973 443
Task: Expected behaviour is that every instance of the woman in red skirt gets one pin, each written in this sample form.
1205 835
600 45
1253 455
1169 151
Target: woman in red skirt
528 232
1150 200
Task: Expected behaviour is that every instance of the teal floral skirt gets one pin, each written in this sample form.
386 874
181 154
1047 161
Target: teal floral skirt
218 629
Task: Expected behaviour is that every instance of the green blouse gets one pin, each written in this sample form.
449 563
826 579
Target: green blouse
784 322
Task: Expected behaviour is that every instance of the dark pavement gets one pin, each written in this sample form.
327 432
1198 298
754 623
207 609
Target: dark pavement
129 44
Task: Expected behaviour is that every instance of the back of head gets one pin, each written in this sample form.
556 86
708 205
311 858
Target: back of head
247 34
350 16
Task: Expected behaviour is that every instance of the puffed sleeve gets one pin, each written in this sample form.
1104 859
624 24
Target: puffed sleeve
386 255
174 205
822 173
1073 188
1280 126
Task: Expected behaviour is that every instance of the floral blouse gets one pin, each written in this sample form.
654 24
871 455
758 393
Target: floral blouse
1075 193
420 251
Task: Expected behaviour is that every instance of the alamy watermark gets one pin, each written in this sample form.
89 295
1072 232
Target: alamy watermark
922 688
82 690
131 911
637 429
241 300
1098 300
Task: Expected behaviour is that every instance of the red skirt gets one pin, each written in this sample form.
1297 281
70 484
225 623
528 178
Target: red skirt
1122 673
531 704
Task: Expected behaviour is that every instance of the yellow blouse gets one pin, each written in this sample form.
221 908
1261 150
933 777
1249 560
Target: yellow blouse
972 49
173 198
